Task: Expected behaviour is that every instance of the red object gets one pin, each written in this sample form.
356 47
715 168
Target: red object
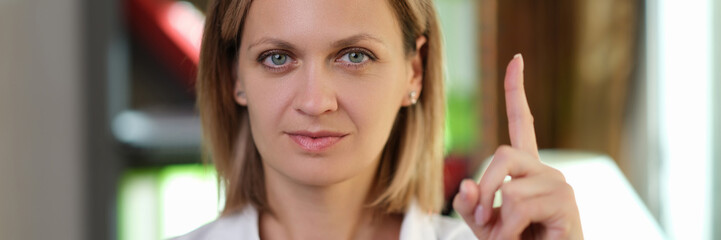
173 30
454 171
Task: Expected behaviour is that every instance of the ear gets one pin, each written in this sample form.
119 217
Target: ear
415 73
239 91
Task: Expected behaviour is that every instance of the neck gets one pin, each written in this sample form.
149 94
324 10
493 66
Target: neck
336 211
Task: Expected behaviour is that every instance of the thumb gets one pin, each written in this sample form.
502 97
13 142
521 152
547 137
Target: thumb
466 201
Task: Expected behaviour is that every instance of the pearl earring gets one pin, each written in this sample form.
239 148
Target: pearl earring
412 96
240 94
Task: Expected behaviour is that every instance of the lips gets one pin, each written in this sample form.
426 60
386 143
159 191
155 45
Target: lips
316 141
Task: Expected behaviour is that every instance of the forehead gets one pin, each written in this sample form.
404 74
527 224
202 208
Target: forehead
320 21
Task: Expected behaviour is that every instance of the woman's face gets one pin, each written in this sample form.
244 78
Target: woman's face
323 83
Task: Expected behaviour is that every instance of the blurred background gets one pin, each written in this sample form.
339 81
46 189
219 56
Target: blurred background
99 138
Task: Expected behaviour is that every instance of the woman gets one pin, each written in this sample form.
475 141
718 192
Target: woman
324 120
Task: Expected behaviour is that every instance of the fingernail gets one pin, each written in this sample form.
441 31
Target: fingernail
518 55
478 215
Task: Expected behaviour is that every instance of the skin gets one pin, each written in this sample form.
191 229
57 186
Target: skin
322 195
537 202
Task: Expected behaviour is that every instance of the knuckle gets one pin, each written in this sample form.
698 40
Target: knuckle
553 173
502 156
565 193
558 174
568 191
503 150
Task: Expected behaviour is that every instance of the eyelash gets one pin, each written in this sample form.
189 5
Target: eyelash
263 56
369 54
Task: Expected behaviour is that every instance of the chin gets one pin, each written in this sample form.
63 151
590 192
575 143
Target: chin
321 171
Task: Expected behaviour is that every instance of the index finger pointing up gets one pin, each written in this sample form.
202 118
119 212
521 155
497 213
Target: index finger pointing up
520 120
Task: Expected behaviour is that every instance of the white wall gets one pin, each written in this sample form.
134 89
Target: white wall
41 120
684 71
716 186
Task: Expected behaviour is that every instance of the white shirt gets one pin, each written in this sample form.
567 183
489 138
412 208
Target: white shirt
416 225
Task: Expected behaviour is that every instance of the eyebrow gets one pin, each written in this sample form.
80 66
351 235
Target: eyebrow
355 39
337 44
273 41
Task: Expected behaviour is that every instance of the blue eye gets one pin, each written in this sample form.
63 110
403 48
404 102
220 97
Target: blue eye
278 59
355 57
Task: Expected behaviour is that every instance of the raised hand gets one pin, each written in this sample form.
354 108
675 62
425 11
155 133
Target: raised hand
537 203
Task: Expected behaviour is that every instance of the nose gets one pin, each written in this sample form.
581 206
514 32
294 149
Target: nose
317 94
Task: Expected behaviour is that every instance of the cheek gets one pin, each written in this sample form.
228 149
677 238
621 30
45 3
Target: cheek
372 104
267 101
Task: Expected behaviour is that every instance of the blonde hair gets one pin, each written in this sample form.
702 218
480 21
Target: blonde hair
411 165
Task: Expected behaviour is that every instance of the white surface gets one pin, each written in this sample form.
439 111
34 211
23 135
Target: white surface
608 205
684 80
138 205
188 200
166 203
158 129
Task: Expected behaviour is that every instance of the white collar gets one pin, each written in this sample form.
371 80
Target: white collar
416 225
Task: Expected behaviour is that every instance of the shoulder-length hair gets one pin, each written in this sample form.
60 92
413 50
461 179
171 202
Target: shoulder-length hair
411 165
